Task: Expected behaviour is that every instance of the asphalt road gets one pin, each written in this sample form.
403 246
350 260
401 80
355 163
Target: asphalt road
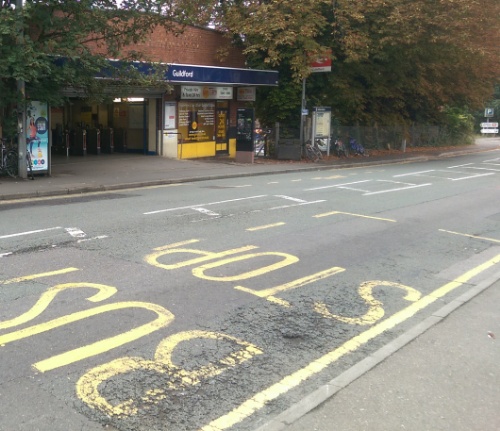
216 305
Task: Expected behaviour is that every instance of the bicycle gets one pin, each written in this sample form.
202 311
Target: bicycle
357 148
322 144
339 148
260 148
8 162
312 152
260 142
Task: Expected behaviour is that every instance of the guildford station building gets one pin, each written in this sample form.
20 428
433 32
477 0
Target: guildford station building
197 118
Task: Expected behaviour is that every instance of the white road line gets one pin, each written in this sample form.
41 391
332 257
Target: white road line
397 189
29 232
396 182
354 189
75 232
297 205
484 238
472 176
202 205
413 173
483 169
205 211
353 215
92 239
438 176
290 198
460 166
5 254
337 185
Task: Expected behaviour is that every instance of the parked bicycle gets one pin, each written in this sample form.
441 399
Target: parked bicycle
312 152
322 144
339 148
356 148
261 143
8 162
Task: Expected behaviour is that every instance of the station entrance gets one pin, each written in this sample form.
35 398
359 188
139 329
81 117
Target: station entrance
124 125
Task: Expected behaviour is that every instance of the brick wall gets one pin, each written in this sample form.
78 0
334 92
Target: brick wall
197 46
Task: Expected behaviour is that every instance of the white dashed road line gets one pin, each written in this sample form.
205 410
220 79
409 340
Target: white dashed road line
28 232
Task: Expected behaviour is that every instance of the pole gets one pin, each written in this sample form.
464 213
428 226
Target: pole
21 101
302 111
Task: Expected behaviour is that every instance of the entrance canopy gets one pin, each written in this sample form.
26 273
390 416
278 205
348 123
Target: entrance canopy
182 74
187 73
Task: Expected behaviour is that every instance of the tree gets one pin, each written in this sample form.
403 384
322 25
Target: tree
53 44
393 60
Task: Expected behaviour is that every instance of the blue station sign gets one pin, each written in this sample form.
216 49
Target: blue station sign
183 73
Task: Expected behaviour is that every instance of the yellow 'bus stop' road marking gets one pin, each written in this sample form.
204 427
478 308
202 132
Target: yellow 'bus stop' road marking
258 401
40 275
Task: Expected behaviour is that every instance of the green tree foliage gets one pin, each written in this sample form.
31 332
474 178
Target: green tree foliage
393 60
34 39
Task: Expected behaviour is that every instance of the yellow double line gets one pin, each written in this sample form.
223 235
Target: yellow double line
259 400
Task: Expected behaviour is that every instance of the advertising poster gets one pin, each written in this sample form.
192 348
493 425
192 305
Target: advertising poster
37 135
197 121
170 115
206 92
248 94
322 119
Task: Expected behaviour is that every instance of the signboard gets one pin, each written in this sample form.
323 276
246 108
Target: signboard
246 94
489 112
184 73
322 117
197 121
221 129
322 64
489 127
206 92
37 135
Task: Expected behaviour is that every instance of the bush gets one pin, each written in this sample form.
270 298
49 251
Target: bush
459 126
